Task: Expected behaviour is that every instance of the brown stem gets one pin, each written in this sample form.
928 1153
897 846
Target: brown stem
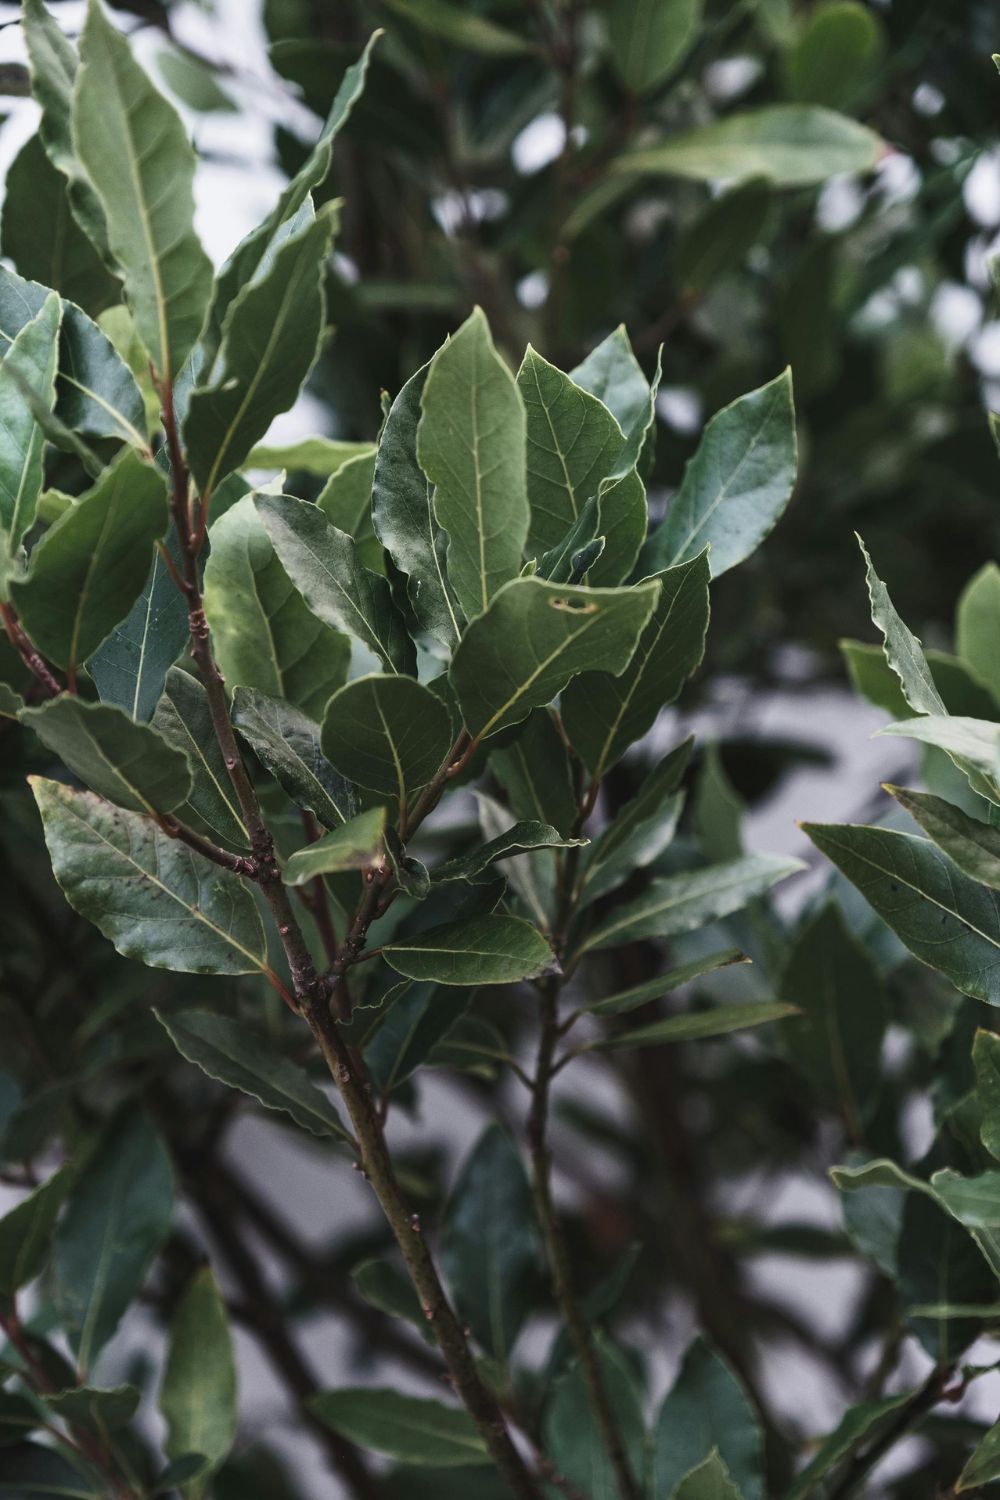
919 1404
240 864
33 660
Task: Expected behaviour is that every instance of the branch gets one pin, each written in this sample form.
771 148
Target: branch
32 658
908 1416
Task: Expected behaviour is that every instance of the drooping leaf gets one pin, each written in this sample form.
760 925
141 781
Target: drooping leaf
471 446
648 38
354 845
136 153
153 897
230 1053
30 361
514 840
654 989
736 487
694 1026
116 1219
89 568
198 1396
573 442
977 620
534 637
324 566
604 712
489 1248
264 636
837 1041
707 1409
534 772
287 743
902 649
973 845
682 903
407 1428
26 1232
390 734
945 919
640 831
184 719
270 340
478 950
792 145
130 764
572 1439
404 520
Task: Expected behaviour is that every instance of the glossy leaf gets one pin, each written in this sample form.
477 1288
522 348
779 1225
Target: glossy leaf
640 831
534 772
984 1464
355 845
263 634
26 1232
130 764
153 897
572 1439
736 487
859 1424
792 145
707 1410
287 743
404 520
654 989
198 1396
489 1249
945 919
116 1219
479 950
324 566
184 719
694 1026
89 568
390 734
515 840
534 637
130 669
471 446
407 1428
973 845
603 712
136 153
230 1053
682 903
30 362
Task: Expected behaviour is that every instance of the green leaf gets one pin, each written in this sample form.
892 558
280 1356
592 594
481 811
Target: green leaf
515 840
462 27
98 1411
30 361
720 1020
89 568
969 742
836 54
477 950
648 38
390 734
385 1286
986 1060
736 487
489 1244
471 446
184 719
287 744
655 989
136 153
198 1396
534 637
264 636
355 845
117 1217
873 679
41 236
983 1464
977 623
26 1231
534 772
404 520
685 902
719 239
130 669
420 1017
974 846
903 651
710 1480
792 145
231 1054
54 66
622 517
406 1428
151 896
573 443
324 566
255 253
945 919
270 340
572 1440
346 501
837 1042
193 82
640 831
321 456
130 764
860 1424
411 875
603 713
612 373
31 1470
707 1410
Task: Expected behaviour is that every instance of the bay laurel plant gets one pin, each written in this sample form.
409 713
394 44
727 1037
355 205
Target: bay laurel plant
257 723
